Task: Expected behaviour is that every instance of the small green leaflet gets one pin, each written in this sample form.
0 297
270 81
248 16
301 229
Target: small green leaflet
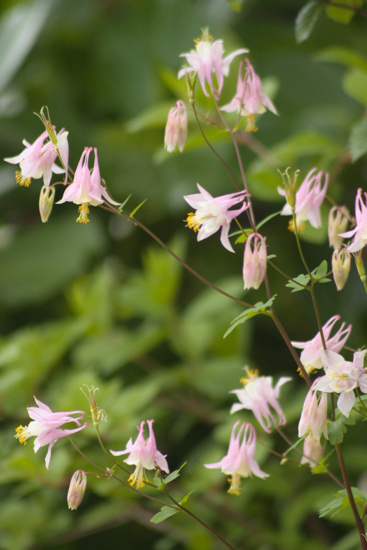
165 513
121 207
160 483
258 308
306 19
341 502
337 429
300 282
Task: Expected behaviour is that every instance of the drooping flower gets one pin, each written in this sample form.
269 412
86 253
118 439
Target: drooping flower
312 451
176 128
313 417
338 222
360 231
38 159
239 461
250 99
86 189
342 377
143 454
310 356
207 59
212 213
258 396
340 263
254 261
46 427
309 198
78 484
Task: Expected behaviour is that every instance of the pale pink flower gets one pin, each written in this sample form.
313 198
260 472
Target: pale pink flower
239 461
342 377
176 128
37 160
212 213
309 198
360 230
45 426
254 261
338 222
207 59
313 417
310 356
312 451
86 189
250 99
78 484
143 454
258 396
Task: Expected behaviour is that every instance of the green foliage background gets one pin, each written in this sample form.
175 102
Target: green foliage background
103 305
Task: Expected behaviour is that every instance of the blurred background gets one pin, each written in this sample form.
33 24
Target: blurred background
101 304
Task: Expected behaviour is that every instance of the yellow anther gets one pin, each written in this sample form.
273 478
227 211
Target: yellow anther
251 126
84 211
24 182
251 375
21 435
192 222
235 481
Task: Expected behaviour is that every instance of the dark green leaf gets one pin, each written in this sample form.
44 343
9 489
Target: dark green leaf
302 281
165 513
358 139
337 429
248 313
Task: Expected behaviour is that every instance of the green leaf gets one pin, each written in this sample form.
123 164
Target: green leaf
345 56
165 513
343 15
342 502
333 505
355 85
235 5
320 271
306 19
319 469
337 429
185 498
301 280
358 139
258 308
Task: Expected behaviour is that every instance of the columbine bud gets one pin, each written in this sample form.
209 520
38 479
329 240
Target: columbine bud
338 222
254 261
176 128
340 262
78 484
46 202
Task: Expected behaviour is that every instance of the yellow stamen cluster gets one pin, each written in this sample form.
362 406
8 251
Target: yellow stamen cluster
251 375
192 222
251 126
84 211
205 37
138 478
21 434
21 180
300 227
235 481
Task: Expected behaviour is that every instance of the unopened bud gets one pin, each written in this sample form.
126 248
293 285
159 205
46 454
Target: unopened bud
78 484
46 201
338 223
176 128
254 261
340 262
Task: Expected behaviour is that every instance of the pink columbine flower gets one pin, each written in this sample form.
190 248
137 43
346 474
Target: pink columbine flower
176 128
78 484
342 377
258 396
254 261
86 189
207 59
312 451
213 213
250 99
239 461
360 230
313 417
309 198
310 356
143 454
45 426
37 160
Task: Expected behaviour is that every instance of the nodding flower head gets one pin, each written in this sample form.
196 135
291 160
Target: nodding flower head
254 261
176 128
